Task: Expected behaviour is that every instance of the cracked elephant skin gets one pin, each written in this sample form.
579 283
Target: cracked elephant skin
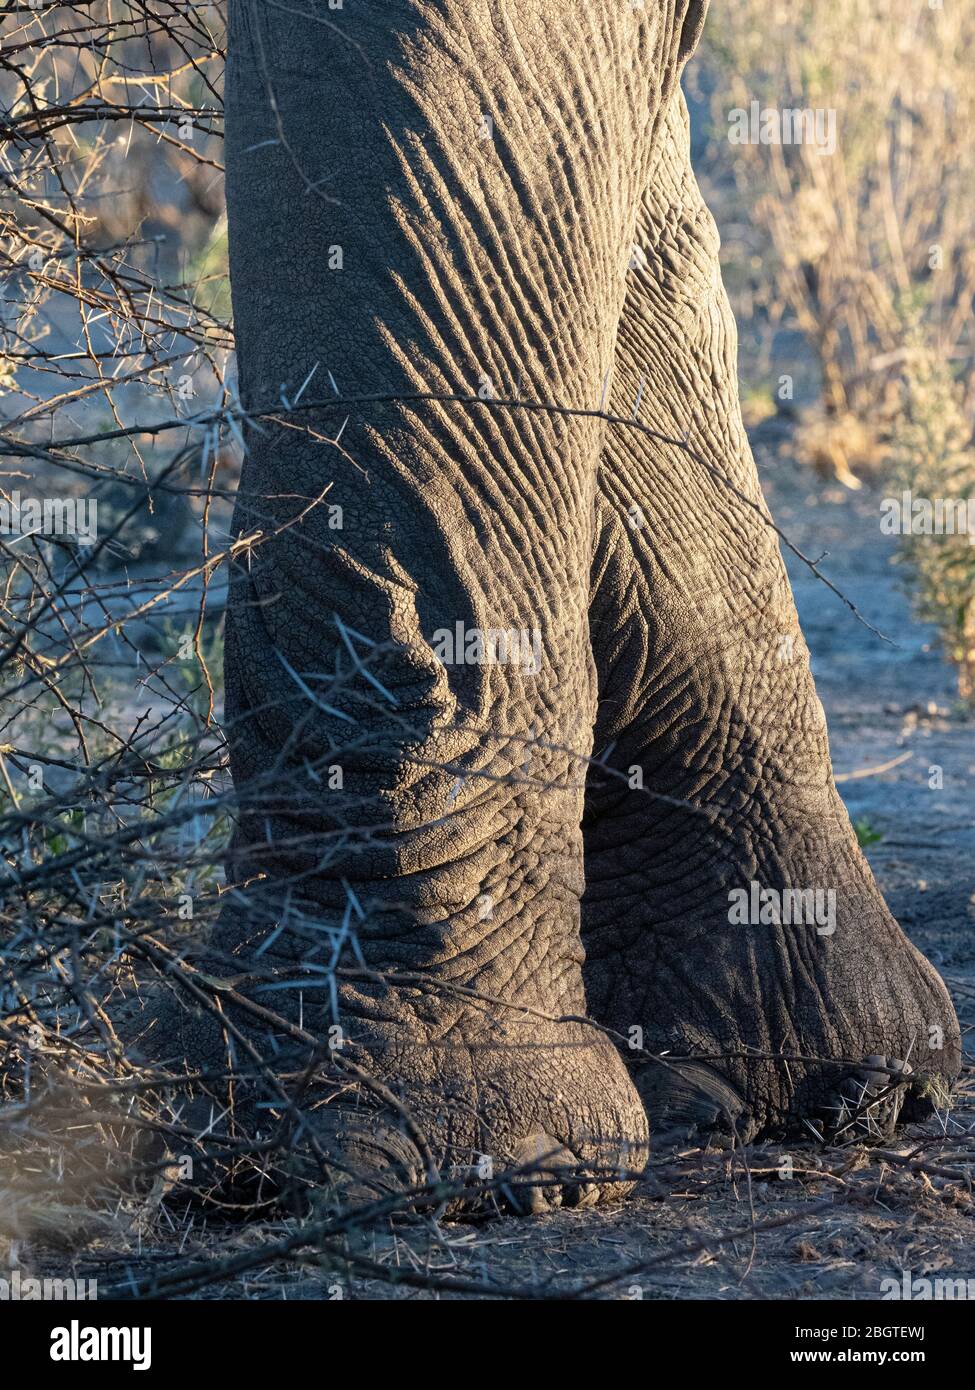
453 217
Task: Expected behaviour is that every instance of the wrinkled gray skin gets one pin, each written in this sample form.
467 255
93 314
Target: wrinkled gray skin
476 853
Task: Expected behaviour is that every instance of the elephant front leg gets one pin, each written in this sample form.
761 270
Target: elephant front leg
729 912
418 215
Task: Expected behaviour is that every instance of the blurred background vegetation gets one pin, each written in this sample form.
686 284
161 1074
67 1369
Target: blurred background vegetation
853 273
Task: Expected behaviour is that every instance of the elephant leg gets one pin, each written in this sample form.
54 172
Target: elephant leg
423 199
720 785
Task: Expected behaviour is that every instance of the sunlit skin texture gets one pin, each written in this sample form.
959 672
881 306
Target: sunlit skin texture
501 251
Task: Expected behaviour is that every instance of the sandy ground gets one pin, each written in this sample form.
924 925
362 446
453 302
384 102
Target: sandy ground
715 1225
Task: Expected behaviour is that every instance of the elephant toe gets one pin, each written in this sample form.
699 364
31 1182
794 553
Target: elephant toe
547 1175
866 1103
687 1101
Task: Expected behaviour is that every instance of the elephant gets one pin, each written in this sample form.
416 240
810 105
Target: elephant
539 851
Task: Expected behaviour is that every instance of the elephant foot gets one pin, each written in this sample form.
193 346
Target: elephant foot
548 1176
867 1103
360 1160
499 1114
348 1160
361 1163
342 1160
791 1032
527 1130
689 1101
